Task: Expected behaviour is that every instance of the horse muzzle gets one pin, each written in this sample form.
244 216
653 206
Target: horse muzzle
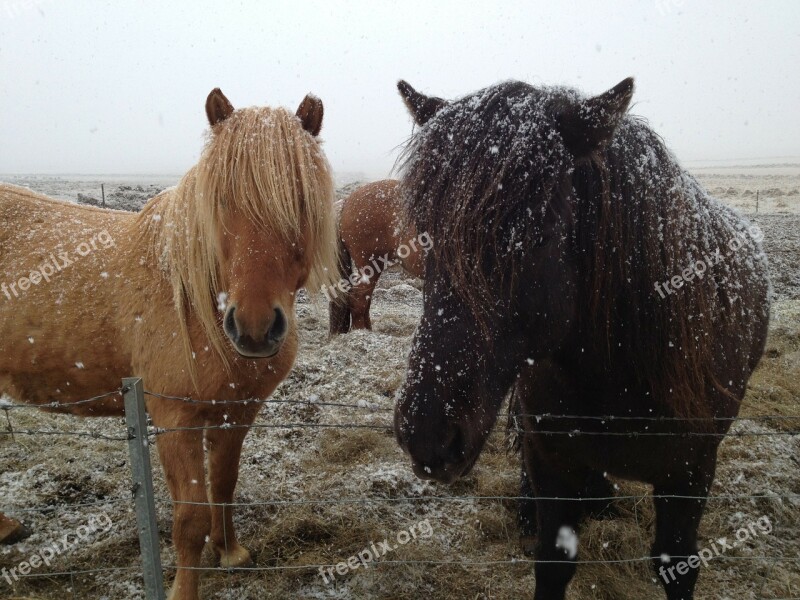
443 455
256 342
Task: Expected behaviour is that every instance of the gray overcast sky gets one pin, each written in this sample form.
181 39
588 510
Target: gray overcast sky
97 87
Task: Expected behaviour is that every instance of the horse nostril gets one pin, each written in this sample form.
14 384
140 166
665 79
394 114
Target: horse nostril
279 326
454 448
229 324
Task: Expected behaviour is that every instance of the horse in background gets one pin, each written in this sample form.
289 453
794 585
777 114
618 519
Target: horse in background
373 234
11 530
195 294
567 264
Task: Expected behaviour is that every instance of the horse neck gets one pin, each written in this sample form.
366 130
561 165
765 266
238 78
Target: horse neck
165 221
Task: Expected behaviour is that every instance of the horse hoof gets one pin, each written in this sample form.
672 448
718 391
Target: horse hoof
17 534
235 557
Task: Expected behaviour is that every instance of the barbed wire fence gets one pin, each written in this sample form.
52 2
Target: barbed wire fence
139 435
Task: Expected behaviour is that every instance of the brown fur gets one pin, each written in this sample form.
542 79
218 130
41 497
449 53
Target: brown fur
218 108
11 530
254 219
310 114
371 225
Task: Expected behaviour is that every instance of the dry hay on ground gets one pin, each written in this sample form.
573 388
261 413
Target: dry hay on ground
310 464
365 369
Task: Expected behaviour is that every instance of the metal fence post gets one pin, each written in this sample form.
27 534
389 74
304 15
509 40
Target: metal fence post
139 450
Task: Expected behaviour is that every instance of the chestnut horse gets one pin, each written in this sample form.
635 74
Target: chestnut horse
372 233
576 261
195 294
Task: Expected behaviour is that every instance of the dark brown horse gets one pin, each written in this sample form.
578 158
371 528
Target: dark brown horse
575 260
373 235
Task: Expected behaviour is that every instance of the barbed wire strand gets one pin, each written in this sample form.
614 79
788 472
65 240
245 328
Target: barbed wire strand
157 431
542 416
462 563
49 508
154 431
89 434
341 501
15 405
473 563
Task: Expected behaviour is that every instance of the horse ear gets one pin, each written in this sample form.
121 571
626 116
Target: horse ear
591 123
421 107
218 108
310 114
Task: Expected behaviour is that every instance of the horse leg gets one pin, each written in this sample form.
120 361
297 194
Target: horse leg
11 530
526 510
597 486
557 523
224 449
360 302
181 454
339 315
339 306
674 550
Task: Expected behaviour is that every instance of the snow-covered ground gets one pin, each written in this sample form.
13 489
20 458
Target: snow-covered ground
347 488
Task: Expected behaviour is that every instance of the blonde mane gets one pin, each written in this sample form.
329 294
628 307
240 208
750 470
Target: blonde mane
259 163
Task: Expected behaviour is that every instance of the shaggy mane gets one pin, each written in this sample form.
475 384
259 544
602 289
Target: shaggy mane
489 175
259 163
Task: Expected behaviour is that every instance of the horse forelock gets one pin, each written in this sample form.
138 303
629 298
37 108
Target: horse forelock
483 174
259 164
